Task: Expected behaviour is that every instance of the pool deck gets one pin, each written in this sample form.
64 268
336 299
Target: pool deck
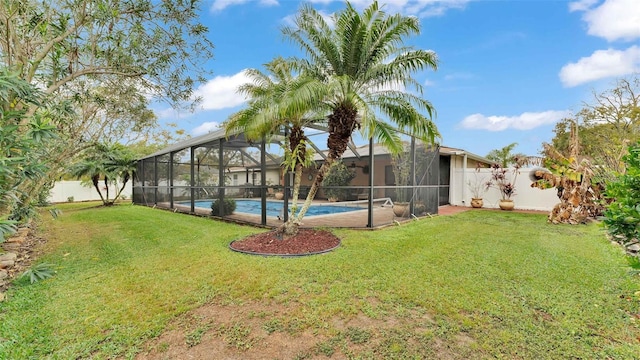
382 216
354 219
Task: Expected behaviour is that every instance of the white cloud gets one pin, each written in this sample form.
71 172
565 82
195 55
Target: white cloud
171 113
601 64
219 5
205 128
289 20
221 92
419 8
612 20
428 82
581 5
524 121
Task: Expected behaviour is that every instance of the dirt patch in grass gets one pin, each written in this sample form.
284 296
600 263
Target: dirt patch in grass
277 331
247 331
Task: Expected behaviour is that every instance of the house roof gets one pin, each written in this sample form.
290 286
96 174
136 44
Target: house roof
378 149
460 152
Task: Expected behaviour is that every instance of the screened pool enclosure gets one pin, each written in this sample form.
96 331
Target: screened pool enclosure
243 181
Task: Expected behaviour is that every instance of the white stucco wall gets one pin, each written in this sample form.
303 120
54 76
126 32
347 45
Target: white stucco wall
526 197
62 190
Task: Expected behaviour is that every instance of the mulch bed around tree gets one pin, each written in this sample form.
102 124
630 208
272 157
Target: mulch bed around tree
305 242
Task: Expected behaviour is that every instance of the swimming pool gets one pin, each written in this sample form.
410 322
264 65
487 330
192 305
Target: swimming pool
274 208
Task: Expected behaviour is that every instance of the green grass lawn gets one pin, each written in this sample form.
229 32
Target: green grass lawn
513 285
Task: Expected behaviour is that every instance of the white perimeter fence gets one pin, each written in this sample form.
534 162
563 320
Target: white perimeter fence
63 190
526 197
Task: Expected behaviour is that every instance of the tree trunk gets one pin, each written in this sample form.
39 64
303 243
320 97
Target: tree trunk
96 184
315 186
106 185
290 227
125 180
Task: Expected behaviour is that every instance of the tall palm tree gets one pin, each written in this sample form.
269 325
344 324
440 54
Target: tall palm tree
364 70
279 99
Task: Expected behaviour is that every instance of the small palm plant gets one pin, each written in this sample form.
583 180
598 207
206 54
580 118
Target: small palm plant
38 272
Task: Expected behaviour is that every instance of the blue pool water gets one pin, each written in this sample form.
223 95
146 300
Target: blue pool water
274 208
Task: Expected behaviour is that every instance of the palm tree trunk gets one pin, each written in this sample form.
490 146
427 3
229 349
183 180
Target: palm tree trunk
125 179
291 226
95 179
296 138
315 186
106 185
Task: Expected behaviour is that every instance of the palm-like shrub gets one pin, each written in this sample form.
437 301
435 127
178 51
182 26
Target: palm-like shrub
113 164
38 272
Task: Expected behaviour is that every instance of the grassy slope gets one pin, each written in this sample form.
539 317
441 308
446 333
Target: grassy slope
517 285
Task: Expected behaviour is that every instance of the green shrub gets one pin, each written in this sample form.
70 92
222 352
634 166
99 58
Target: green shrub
229 206
622 217
338 175
7 227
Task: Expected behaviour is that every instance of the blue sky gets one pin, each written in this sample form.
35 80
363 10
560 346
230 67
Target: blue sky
508 70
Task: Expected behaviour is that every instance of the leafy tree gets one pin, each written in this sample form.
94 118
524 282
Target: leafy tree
20 151
100 114
622 216
157 139
505 156
362 70
158 46
98 62
605 127
114 164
